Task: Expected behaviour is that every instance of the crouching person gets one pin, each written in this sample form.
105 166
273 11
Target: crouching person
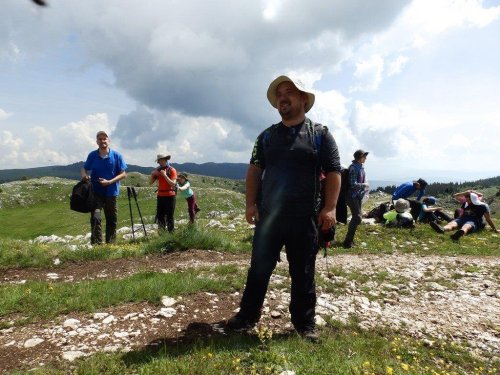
470 220
399 217
429 214
186 192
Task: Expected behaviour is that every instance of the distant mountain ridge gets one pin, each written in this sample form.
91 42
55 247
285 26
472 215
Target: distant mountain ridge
236 171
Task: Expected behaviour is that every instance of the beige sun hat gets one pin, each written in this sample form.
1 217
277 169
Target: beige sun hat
162 156
271 91
401 205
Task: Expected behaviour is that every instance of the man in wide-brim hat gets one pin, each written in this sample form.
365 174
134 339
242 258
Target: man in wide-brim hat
166 176
288 214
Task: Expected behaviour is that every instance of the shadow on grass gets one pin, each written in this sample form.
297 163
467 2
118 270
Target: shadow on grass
197 337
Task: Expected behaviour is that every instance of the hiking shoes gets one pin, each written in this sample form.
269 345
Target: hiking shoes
457 235
436 227
309 335
197 209
239 323
348 244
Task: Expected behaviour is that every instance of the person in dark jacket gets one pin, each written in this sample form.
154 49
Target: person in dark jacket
358 187
288 214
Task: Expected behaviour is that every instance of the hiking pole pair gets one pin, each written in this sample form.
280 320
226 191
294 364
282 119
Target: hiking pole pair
131 193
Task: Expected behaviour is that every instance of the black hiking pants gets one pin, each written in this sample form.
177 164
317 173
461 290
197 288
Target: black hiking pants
355 207
110 207
165 208
299 235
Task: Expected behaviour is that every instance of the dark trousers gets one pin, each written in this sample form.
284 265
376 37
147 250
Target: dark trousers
433 216
299 235
110 207
192 206
165 208
355 207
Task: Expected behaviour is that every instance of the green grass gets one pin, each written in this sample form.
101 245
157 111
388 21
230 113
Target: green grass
41 207
16 253
43 300
344 349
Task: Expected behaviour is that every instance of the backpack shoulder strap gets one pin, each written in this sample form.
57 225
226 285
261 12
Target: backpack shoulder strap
318 132
267 134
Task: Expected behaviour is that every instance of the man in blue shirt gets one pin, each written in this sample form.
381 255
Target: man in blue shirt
107 169
408 188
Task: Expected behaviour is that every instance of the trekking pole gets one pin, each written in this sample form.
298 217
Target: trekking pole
138 209
129 193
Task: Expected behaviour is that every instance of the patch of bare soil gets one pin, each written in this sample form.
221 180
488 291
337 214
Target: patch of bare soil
120 268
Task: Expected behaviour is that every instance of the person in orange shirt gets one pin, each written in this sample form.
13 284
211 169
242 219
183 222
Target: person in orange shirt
167 189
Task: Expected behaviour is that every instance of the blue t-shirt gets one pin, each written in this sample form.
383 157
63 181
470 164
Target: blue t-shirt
108 168
405 190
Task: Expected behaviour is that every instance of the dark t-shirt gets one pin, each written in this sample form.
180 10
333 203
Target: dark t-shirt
475 212
291 172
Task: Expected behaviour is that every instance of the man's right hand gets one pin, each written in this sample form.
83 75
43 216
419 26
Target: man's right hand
86 177
252 214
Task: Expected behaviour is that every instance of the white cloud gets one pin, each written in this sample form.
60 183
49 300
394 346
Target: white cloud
434 17
389 132
208 59
42 135
9 147
368 74
4 115
396 66
77 139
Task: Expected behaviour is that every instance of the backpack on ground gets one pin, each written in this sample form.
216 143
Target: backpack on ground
378 212
82 198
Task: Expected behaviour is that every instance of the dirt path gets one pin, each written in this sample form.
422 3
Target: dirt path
120 268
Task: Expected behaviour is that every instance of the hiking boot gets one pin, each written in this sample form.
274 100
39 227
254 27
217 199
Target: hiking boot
436 227
309 335
197 209
237 322
457 235
348 244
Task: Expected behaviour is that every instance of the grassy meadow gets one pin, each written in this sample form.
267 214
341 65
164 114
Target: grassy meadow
40 207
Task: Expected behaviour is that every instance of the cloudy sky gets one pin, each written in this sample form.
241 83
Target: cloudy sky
416 83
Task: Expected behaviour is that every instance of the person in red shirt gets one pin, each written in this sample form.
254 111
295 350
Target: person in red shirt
167 189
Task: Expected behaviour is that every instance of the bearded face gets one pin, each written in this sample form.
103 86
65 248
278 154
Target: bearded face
290 101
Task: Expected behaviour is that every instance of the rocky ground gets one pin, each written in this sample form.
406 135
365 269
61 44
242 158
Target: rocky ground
427 297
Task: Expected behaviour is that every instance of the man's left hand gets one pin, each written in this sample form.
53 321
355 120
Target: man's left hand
104 182
326 218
